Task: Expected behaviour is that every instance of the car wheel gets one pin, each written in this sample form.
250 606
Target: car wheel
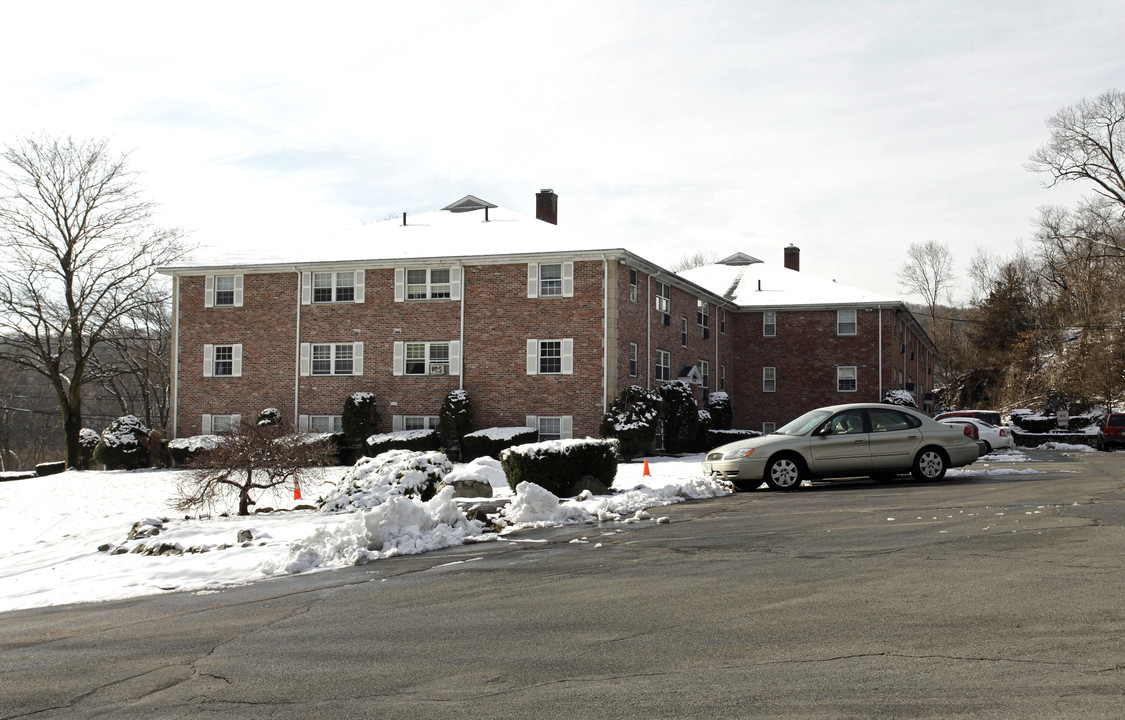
987 447
1101 445
783 473
929 465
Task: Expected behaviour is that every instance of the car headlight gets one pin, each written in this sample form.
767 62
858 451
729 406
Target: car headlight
741 453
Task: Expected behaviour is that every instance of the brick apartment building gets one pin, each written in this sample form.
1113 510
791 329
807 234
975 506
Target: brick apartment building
479 298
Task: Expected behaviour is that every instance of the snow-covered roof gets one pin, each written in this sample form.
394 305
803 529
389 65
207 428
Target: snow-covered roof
469 227
760 284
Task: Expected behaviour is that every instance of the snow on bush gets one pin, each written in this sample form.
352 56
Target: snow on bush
124 444
373 481
195 443
484 469
559 464
904 398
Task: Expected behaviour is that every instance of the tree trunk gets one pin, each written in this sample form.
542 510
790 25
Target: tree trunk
72 423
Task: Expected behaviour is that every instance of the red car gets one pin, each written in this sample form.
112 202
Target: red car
1111 431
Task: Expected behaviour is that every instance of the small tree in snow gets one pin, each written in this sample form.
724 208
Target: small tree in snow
260 457
681 416
360 419
456 419
722 416
632 420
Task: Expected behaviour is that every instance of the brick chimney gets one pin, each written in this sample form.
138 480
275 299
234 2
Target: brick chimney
547 206
793 257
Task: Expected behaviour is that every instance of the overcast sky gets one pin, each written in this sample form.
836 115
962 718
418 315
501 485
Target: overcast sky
849 129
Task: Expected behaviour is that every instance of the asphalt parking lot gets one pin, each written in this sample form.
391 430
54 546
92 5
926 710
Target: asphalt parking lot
995 593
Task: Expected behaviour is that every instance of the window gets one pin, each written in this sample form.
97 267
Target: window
890 420
415 422
331 359
845 378
769 379
221 424
683 332
222 360
333 287
704 373
550 357
428 284
768 427
663 298
723 320
550 280
632 285
222 291
427 358
769 324
632 359
326 423
722 377
552 427
663 365
845 322
703 314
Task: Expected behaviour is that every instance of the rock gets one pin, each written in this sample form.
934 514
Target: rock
591 483
105 547
119 550
245 536
468 488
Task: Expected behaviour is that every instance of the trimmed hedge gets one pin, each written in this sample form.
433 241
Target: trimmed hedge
417 440
490 442
715 438
184 450
681 416
560 465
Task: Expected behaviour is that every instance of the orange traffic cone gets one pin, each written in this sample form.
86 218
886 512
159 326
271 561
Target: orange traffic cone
296 488
646 473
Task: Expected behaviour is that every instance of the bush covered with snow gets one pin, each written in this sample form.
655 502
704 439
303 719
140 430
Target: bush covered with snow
269 416
715 438
903 398
456 420
124 444
87 442
561 465
184 450
490 442
722 414
681 416
632 419
417 440
360 419
398 473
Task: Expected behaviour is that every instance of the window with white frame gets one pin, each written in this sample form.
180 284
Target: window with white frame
846 378
663 297
427 358
632 285
705 373
769 379
552 427
683 332
220 424
222 291
550 357
418 422
768 427
663 365
326 359
769 323
333 287
550 279
326 423
846 322
222 360
703 316
723 321
632 359
428 284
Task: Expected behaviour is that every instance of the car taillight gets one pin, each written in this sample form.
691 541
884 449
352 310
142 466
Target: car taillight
1001 432
970 431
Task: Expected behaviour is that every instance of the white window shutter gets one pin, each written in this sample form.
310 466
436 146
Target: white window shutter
532 421
396 423
209 291
303 423
400 285
306 288
208 360
399 366
238 291
235 423
566 427
360 277
306 357
532 280
568 279
454 357
454 283
205 428
568 356
532 357
357 358
236 360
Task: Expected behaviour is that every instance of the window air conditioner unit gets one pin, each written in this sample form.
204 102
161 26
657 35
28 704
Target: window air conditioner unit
667 319
438 369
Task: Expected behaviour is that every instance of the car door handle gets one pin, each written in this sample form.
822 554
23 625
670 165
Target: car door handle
860 442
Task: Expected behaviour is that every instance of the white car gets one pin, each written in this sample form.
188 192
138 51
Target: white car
994 437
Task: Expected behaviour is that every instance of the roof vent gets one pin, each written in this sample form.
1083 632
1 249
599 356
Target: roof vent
468 204
739 259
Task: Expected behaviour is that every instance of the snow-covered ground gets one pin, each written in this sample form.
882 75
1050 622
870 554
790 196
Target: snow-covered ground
51 528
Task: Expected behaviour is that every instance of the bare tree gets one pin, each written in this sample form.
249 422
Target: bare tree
79 250
927 272
260 457
690 261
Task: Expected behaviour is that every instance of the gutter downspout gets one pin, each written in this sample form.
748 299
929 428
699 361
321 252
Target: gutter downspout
880 310
605 333
297 364
175 364
648 330
461 370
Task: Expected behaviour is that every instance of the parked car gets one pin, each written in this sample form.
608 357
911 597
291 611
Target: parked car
989 416
1111 431
993 437
855 440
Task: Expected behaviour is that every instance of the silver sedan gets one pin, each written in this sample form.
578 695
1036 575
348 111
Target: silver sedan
856 440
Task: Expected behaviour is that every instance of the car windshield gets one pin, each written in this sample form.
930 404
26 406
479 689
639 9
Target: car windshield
804 424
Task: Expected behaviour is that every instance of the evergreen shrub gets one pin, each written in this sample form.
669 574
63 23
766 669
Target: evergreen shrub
681 416
455 420
124 444
417 440
490 442
722 415
632 420
87 443
559 465
360 419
